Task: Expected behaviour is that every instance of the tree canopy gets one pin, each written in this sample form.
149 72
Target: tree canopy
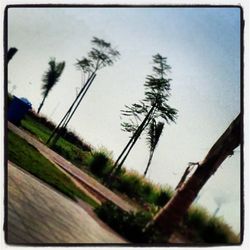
50 78
101 55
157 93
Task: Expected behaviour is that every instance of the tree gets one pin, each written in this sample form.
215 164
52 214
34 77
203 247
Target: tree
171 214
153 107
101 55
154 134
50 78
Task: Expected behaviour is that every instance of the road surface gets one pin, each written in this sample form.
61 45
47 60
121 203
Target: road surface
38 214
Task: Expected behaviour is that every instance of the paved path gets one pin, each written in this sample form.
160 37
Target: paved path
90 183
40 215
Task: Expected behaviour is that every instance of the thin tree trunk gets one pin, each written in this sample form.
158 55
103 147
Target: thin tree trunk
69 116
117 166
172 213
149 162
133 143
130 148
135 140
71 107
41 105
85 91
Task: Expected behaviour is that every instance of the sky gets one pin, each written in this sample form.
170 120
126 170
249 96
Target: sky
202 46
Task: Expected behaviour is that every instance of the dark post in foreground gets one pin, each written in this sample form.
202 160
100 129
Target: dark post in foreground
11 52
172 213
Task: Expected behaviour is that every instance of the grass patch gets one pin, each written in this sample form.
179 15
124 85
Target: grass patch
28 158
68 150
69 136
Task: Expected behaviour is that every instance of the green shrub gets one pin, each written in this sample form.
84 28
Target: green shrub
99 163
130 225
136 186
216 231
76 140
148 192
163 196
197 217
130 184
202 227
62 151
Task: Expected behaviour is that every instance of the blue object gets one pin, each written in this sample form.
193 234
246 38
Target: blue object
18 109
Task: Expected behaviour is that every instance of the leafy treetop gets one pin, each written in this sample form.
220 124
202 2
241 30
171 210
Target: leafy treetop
157 93
100 56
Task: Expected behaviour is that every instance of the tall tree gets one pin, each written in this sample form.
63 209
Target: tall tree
101 55
154 134
171 214
153 106
50 78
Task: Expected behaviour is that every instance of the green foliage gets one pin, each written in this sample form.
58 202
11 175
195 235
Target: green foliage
197 217
217 231
28 158
50 78
202 227
36 128
153 137
163 196
72 154
157 93
100 56
129 225
52 75
154 133
74 151
130 184
143 191
45 126
99 163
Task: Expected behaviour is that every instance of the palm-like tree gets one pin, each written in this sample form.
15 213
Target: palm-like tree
50 78
101 55
153 106
154 134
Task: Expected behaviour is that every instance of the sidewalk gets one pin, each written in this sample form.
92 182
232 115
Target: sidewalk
38 214
100 191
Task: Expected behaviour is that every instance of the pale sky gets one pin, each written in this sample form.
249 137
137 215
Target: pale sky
203 48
